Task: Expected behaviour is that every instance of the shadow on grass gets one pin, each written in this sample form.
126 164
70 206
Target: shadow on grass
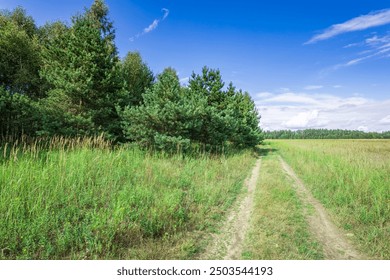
265 151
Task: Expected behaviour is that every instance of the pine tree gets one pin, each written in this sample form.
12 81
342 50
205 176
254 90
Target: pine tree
137 78
168 116
217 122
81 64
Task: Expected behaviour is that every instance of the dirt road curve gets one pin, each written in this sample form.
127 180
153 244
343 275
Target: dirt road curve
336 245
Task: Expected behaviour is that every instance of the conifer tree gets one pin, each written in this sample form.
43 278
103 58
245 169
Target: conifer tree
137 77
82 65
168 116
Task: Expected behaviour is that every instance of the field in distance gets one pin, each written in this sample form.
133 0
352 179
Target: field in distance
351 178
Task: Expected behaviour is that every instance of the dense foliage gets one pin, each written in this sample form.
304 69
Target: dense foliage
68 80
325 134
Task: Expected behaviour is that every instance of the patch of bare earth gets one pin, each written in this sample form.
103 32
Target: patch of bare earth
334 241
228 243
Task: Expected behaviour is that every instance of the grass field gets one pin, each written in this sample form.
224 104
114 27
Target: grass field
352 180
84 200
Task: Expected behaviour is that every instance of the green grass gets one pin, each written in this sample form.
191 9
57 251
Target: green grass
88 201
352 179
278 228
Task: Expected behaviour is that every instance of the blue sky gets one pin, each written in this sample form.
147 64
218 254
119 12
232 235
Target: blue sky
307 64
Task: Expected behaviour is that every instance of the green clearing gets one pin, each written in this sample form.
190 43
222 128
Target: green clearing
351 179
88 202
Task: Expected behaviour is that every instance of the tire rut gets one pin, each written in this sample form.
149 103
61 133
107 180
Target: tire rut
336 245
228 243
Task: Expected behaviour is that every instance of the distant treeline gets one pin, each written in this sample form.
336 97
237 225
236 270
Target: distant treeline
68 80
325 134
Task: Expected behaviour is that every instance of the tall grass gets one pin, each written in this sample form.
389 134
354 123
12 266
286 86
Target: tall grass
352 179
83 199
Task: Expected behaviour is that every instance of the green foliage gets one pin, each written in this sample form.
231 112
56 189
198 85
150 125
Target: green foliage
19 53
75 85
81 63
19 114
246 130
229 115
167 117
172 117
137 78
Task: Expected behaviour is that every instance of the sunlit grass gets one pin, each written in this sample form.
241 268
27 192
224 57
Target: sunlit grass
85 200
352 179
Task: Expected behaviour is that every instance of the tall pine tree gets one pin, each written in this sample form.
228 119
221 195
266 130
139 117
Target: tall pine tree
81 64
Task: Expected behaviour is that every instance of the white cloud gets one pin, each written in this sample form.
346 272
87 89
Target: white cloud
290 97
363 128
304 120
284 89
152 26
299 111
378 48
385 120
263 94
363 22
184 80
312 87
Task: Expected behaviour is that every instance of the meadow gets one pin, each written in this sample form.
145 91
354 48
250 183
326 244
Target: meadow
83 199
351 178
86 199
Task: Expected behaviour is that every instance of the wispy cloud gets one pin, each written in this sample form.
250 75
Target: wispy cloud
152 26
166 13
385 120
363 22
376 47
184 80
313 87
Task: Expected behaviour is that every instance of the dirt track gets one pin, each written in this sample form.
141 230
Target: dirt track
336 245
228 243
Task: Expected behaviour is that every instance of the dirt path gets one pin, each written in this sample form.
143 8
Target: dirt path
336 245
228 243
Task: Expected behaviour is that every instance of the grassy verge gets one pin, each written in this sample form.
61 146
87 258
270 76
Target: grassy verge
278 227
89 202
351 179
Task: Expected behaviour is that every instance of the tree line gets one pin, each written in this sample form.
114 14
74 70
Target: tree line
325 134
68 80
